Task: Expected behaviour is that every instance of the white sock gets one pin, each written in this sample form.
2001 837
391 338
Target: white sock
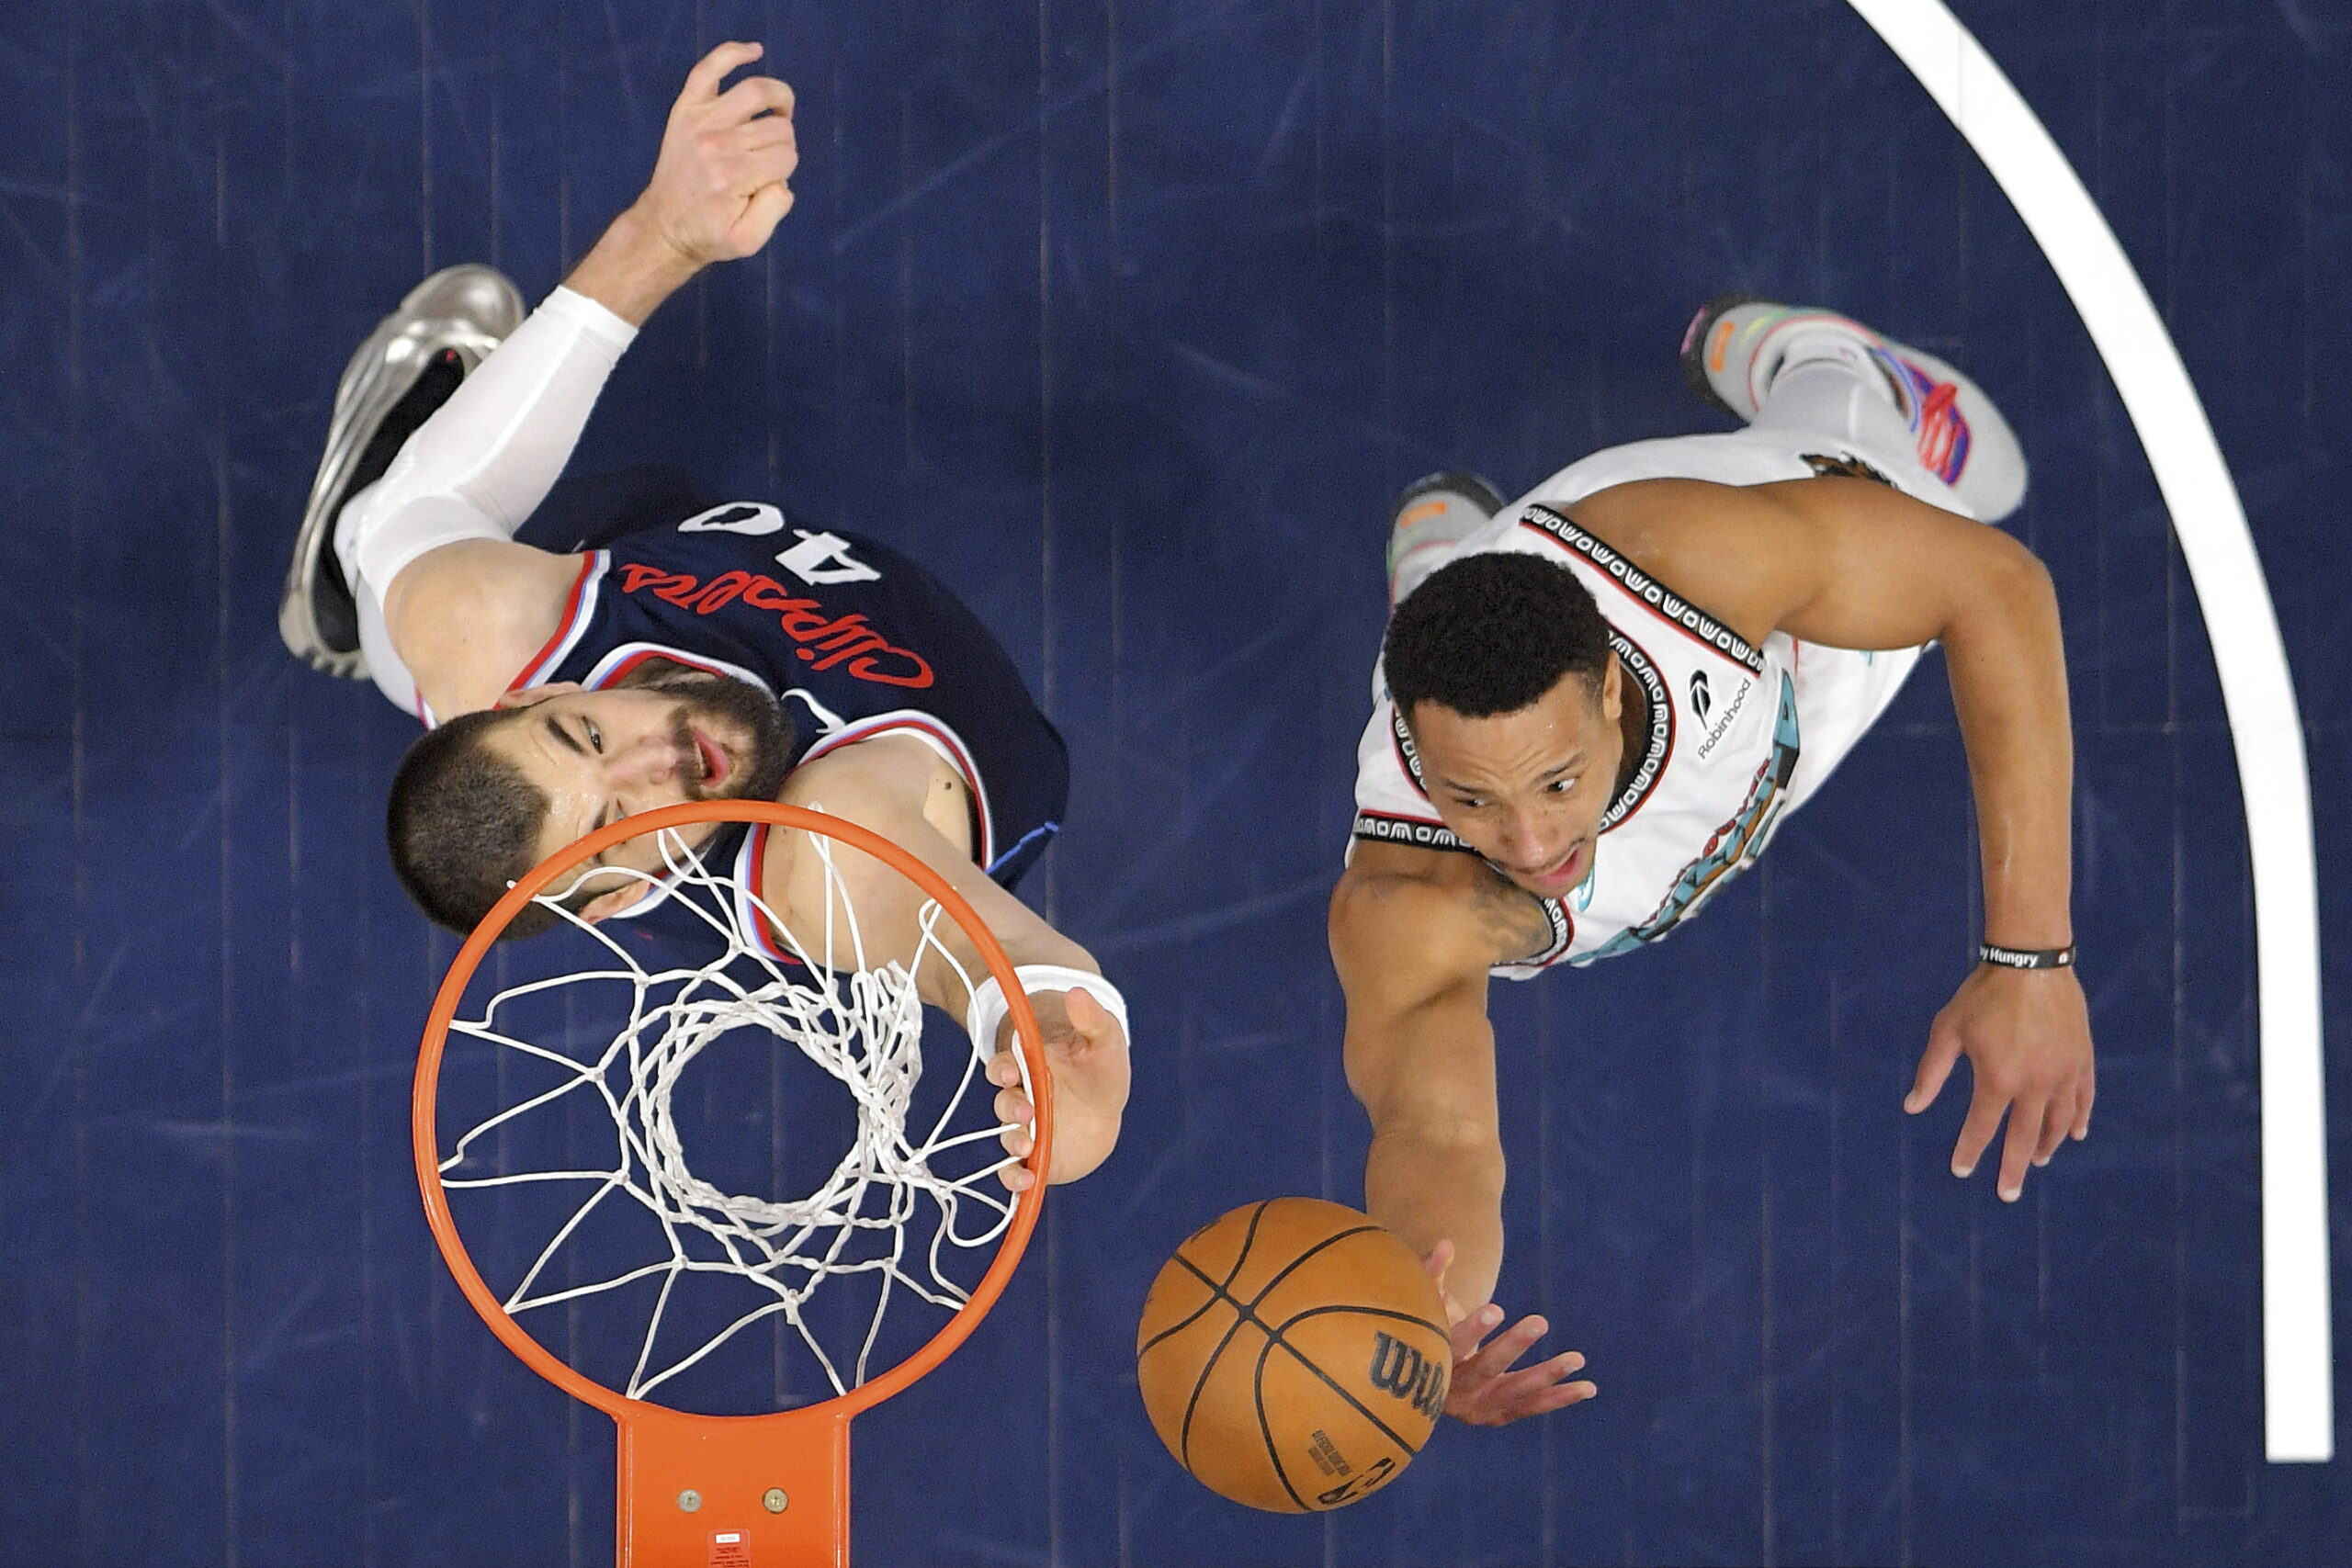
1832 397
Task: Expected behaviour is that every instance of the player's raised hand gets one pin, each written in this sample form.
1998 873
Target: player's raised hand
721 184
1485 1389
2027 1035
1086 1055
721 181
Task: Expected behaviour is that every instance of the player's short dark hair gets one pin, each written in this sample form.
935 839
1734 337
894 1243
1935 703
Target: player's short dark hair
464 823
1491 633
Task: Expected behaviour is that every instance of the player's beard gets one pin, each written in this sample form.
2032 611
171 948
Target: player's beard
715 701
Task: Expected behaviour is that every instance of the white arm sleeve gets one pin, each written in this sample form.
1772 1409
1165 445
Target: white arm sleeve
482 463
487 456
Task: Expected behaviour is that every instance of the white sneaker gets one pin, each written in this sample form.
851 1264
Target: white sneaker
1431 515
1736 344
409 366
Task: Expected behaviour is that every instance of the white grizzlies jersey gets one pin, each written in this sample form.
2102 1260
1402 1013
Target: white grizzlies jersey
1738 736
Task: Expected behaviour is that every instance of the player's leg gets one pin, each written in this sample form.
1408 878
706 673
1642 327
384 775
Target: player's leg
1429 517
1789 367
408 367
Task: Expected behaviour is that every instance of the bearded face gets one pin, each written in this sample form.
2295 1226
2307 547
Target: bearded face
672 736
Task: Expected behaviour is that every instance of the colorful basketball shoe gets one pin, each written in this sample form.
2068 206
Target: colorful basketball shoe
407 368
1737 343
1430 516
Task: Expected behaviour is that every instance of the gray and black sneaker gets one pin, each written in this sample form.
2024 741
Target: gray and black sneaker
1431 515
407 368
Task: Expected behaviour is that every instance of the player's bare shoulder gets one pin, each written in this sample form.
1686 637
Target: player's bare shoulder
1409 919
892 785
1739 550
884 782
470 614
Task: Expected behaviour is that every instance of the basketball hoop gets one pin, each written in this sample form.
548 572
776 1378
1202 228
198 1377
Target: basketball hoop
769 1488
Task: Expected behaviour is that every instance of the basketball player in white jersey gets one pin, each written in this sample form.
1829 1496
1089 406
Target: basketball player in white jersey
461 623
1596 704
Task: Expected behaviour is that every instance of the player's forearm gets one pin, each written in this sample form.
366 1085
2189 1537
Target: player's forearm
2009 679
1428 1188
631 269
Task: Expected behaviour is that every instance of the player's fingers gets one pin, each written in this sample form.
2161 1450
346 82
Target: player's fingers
2056 1120
762 153
1976 1131
1534 1390
1935 1066
2016 1150
1470 1332
752 96
1559 1396
1012 1106
702 80
1017 1177
761 214
1504 1349
763 134
1545 1375
2089 1091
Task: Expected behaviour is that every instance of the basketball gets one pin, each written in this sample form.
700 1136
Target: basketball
1293 1356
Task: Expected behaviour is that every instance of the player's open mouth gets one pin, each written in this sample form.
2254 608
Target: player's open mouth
1561 875
712 758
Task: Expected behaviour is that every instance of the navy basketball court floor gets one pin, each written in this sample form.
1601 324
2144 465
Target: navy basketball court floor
1129 318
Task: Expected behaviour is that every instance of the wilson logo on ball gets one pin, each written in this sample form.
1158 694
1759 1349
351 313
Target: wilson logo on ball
1398 1369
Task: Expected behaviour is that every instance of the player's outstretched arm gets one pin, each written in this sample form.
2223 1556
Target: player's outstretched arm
1412 945
721 184
1848 563
882 784
465 606
1926 574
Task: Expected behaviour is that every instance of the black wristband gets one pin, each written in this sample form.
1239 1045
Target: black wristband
2026 957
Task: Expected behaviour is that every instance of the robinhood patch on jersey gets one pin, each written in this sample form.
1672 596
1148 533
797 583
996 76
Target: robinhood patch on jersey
1722 727
1732 848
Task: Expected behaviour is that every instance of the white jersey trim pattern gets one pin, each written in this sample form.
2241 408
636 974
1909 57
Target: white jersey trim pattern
1669 605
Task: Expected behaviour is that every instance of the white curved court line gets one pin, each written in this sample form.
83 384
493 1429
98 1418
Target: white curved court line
2256 689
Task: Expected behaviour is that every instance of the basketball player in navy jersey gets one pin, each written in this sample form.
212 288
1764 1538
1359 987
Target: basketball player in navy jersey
625 644
1595 706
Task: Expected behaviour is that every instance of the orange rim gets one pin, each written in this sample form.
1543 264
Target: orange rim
423 1120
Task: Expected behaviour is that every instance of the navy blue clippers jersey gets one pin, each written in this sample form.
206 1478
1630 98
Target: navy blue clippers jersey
854 638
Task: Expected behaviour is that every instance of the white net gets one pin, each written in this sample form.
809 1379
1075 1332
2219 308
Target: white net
907 1212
